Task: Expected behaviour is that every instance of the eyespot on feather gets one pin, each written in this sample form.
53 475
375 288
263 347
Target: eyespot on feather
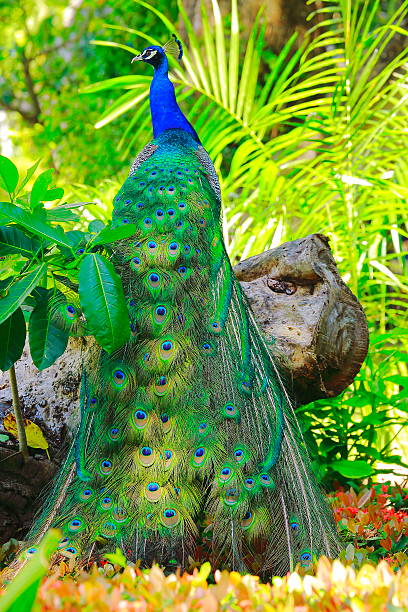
170 517
216 327
226 474
231 411
70 552
153 492
106 503
119 378
146 456
166 422
86 494
139 418
119 514
105 467
231 496
108 530
114 434
76 525
160 314
199 457
247 520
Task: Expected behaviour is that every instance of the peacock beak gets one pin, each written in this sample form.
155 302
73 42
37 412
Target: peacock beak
137 58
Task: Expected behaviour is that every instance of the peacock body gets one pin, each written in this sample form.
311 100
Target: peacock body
190 418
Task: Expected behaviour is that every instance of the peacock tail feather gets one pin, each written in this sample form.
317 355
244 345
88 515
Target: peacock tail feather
191 416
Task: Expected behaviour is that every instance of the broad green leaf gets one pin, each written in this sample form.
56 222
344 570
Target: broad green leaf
117 558
76 237
34 224
19 291
60 215
8 174
13 240
103 302
40 187
56 193
108 235
47 340
96 226
12 339
353 469
28 176
20 594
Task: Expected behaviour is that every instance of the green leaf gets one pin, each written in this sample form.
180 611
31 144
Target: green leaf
117 558
47 340
19 291
40 188
103 302
352 469
108 235
4 437
54 194
108 43
8 174
96 226
60 215
12 339
20 594
35 224
28 176
13 240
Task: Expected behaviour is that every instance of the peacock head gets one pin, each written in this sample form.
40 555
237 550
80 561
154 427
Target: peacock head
155 55
152 55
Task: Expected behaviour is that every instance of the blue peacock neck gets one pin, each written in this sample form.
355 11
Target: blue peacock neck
166 113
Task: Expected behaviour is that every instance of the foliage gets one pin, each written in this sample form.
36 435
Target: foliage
22 592
351 437
51 274
34 435
46 58
375 523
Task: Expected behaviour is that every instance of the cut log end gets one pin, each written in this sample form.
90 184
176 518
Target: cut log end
299 298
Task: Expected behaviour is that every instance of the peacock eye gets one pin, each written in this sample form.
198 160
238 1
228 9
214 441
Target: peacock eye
148 54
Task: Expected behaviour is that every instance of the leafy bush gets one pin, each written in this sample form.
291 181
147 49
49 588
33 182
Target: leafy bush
374 522
351 437
62 279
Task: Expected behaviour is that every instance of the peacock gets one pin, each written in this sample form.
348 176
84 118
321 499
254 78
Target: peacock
189 423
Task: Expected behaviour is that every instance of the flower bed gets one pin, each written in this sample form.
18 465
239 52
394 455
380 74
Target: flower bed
371 574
